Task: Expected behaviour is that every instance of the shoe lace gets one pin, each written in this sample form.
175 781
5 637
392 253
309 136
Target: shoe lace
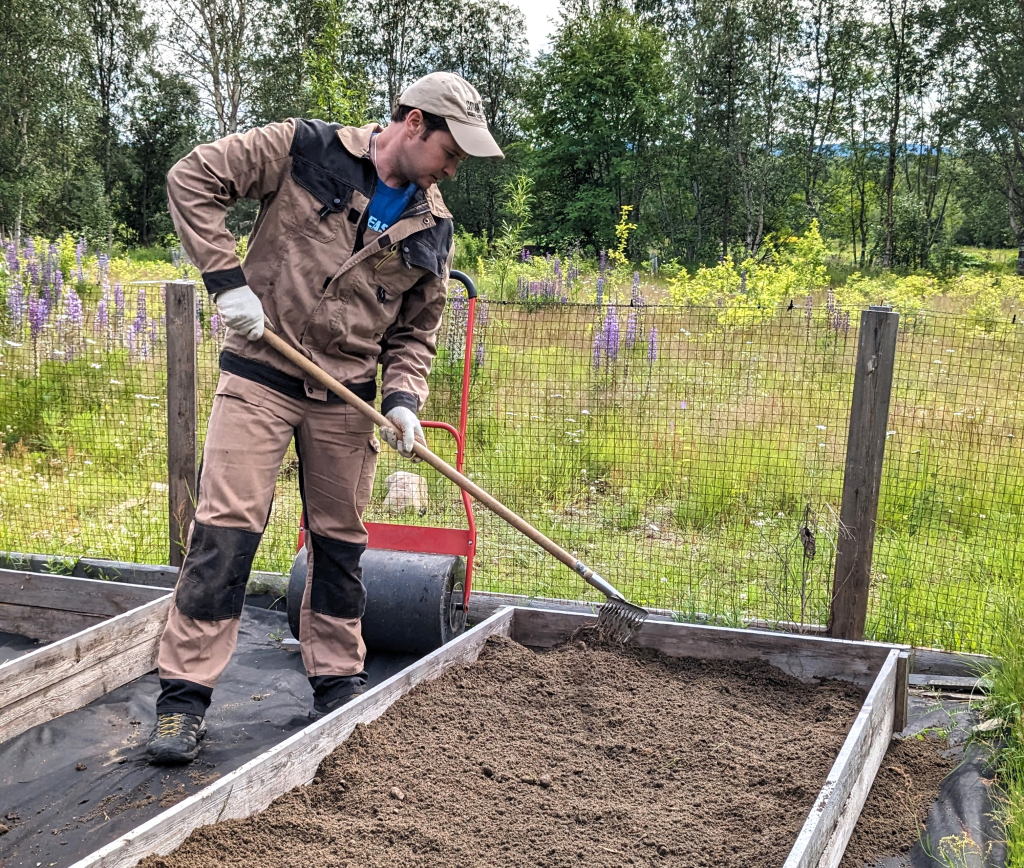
170 725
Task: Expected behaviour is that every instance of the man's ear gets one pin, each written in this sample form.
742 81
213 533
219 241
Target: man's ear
414 125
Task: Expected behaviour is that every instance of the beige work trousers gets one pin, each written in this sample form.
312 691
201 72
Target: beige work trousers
251 426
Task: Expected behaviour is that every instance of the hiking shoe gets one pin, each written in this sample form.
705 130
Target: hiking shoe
322 707
175 738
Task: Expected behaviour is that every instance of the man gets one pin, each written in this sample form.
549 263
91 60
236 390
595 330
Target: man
349 262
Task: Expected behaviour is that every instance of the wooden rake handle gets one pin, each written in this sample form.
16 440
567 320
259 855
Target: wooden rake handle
443 467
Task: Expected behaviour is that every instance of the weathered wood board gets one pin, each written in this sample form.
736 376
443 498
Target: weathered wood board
48 606
294 761
72 672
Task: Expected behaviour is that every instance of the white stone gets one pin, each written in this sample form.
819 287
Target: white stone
406 491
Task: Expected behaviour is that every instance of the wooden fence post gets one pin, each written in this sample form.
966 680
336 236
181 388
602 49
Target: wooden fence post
865 448
181 414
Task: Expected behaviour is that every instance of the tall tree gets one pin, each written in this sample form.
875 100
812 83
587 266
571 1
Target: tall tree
597 114
120 37
988 38
215 41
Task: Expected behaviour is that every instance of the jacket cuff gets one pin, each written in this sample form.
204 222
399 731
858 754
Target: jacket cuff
230 278
399 399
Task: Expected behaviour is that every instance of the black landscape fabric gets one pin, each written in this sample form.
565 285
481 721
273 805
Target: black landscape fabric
70 786
960 829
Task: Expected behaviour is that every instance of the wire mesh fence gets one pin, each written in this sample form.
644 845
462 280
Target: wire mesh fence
695 461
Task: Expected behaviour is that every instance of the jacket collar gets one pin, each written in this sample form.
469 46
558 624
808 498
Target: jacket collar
357 142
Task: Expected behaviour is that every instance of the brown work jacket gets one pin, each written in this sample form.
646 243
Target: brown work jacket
345 296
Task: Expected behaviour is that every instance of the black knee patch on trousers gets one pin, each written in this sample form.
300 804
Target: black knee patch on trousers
337 586
212 582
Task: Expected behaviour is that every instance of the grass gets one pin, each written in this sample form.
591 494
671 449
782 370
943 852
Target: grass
1004 703
706 481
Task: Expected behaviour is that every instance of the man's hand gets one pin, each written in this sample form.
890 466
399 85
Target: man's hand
408 429
241 311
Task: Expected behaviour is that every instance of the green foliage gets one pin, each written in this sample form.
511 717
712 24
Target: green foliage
508 245
751 290
617 255
338 92
596 109
1005 704
469 250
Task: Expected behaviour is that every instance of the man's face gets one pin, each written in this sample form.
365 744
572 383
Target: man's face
428 157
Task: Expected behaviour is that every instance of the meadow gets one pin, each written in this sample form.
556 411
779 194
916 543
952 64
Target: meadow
683 432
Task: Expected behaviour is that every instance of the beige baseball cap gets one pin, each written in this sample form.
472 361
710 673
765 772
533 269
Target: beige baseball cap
457 101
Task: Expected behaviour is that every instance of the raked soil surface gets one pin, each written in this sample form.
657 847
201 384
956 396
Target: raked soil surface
581 755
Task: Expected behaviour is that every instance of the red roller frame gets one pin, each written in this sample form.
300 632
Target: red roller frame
435 540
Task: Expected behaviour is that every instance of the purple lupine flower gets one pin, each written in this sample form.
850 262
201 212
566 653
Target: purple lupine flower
140 306
38 313
809 307
30 249
118 302
652 345
845 324
101 322
102 267
602 261
600 290
830 301
215 326
13 265
16 303
47 268
80 249
58 285
631 330
611 335
73 308
482 313
479 354
557 268
199 330
154 333
598 348
32 266
636 300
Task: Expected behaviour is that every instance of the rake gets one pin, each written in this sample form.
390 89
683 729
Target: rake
617 620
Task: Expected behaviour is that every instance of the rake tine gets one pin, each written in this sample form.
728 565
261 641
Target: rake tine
618 620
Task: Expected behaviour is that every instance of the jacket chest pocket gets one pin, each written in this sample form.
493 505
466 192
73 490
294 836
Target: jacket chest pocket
391 276
316 202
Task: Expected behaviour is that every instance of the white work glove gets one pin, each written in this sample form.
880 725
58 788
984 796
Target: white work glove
241 311
409 429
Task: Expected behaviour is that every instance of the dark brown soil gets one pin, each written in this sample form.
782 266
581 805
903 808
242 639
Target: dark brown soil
904 789
580 755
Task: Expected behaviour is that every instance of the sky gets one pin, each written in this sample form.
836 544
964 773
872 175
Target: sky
540 21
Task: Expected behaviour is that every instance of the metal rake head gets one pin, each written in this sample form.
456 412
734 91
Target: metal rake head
618 620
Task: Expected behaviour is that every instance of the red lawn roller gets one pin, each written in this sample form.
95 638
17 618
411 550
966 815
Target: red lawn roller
417 579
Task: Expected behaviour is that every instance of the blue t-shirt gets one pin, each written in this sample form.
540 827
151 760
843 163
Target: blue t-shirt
387 205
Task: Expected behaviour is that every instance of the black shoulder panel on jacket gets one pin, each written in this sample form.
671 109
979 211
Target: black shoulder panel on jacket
321 164
429 248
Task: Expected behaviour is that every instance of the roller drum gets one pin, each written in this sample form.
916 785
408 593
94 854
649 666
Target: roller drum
413 600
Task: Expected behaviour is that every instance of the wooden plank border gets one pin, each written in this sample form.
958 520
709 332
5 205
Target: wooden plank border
293 762
50 606
827 830
72 672
804 657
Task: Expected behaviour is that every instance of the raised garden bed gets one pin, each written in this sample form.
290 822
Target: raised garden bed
605 749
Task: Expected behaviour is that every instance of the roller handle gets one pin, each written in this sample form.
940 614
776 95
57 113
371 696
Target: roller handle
443 467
